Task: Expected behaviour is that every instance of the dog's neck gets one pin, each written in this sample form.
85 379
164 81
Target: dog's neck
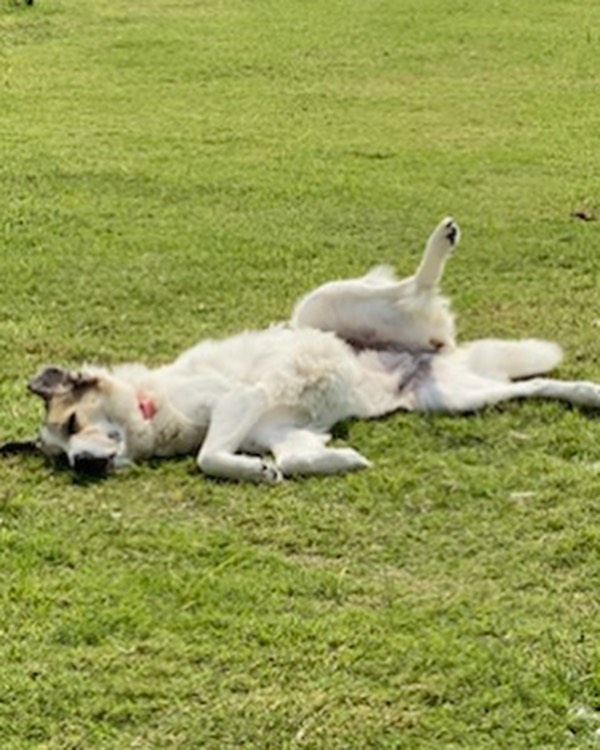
172 431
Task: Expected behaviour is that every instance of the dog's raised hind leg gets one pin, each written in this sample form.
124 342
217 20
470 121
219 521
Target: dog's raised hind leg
232 419
439 246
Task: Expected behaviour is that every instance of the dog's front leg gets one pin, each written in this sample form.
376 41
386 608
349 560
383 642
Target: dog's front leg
232 418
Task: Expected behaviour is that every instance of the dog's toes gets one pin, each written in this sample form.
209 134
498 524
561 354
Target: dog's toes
449 231
445 237
271 474
452 231
353 459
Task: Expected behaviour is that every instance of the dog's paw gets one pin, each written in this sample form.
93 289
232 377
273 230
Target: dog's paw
445 236
270 473
353 460
452 231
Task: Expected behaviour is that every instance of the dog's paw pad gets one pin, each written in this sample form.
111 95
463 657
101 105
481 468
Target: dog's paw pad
445 236
452 232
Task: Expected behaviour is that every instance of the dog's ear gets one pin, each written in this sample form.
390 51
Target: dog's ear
48 382
52 381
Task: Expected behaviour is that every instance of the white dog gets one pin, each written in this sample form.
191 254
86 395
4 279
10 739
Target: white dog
357 348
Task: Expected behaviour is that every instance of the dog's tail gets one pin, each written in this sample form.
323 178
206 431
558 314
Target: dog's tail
511 360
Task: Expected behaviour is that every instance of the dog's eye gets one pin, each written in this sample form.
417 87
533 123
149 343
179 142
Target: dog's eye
72 426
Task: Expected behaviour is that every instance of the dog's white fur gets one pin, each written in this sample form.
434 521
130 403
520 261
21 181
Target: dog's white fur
356 348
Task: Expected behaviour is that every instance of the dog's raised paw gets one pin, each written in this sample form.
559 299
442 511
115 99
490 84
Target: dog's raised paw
452 231
445 237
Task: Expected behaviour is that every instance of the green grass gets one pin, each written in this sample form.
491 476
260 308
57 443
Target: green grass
173 170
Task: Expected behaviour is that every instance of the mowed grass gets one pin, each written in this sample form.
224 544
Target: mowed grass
175 170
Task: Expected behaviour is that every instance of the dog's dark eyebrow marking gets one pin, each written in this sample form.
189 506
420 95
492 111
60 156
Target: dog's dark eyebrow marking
71 426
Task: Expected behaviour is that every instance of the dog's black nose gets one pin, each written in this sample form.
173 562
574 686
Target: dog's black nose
88 463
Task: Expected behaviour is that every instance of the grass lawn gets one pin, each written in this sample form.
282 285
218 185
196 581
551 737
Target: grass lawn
174 169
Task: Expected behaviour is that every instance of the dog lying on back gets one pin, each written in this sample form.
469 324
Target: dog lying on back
259 406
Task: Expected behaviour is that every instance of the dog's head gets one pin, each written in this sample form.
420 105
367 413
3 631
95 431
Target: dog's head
80 419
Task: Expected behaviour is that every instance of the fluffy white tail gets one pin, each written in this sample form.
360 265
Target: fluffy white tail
511 360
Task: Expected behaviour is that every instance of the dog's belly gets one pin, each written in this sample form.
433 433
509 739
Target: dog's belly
303 375
308 378
275 354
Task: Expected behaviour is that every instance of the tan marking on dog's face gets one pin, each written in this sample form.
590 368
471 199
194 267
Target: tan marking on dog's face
73 411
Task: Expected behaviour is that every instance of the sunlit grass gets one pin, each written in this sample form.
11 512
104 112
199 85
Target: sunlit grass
173 170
